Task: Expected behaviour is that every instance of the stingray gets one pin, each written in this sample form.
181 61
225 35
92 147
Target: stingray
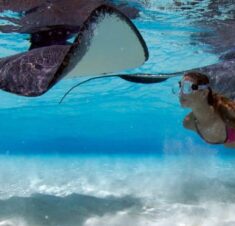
52 22
216 20
58 8
107 42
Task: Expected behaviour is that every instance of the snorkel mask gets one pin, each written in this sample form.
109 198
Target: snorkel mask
187 87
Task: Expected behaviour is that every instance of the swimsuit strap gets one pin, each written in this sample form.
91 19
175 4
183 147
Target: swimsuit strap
209 142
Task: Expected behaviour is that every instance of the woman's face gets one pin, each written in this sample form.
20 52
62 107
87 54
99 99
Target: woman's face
190 93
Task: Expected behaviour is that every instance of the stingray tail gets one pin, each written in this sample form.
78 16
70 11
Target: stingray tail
149 78
81 83
136 78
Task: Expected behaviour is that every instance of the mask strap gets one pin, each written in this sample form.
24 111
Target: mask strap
203 87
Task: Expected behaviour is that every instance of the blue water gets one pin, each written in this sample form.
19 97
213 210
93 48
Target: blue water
115 153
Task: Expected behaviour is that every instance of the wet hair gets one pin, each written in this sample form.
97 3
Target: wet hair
220 103
201 79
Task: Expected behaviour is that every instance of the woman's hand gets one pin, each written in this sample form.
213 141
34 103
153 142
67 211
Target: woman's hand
189 122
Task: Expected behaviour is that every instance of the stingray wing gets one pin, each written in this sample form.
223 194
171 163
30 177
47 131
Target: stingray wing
32 73
108 42
19 5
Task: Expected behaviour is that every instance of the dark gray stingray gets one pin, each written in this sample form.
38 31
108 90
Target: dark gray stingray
216 19
218 22
222 77
94 51
228 55
32 73
220 36
38 14
19 5
51 22
84 7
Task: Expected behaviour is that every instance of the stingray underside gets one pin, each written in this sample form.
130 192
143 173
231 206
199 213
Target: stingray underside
107 43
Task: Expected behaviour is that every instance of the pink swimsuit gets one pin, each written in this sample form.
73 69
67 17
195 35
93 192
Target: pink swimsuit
230 135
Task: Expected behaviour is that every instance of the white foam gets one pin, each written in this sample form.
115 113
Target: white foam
210 214
13 222
138 176
174 190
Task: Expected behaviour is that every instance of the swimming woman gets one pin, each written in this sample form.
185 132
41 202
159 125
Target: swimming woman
213 115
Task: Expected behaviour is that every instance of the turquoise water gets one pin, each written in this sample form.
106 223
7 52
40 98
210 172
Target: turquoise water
115 153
